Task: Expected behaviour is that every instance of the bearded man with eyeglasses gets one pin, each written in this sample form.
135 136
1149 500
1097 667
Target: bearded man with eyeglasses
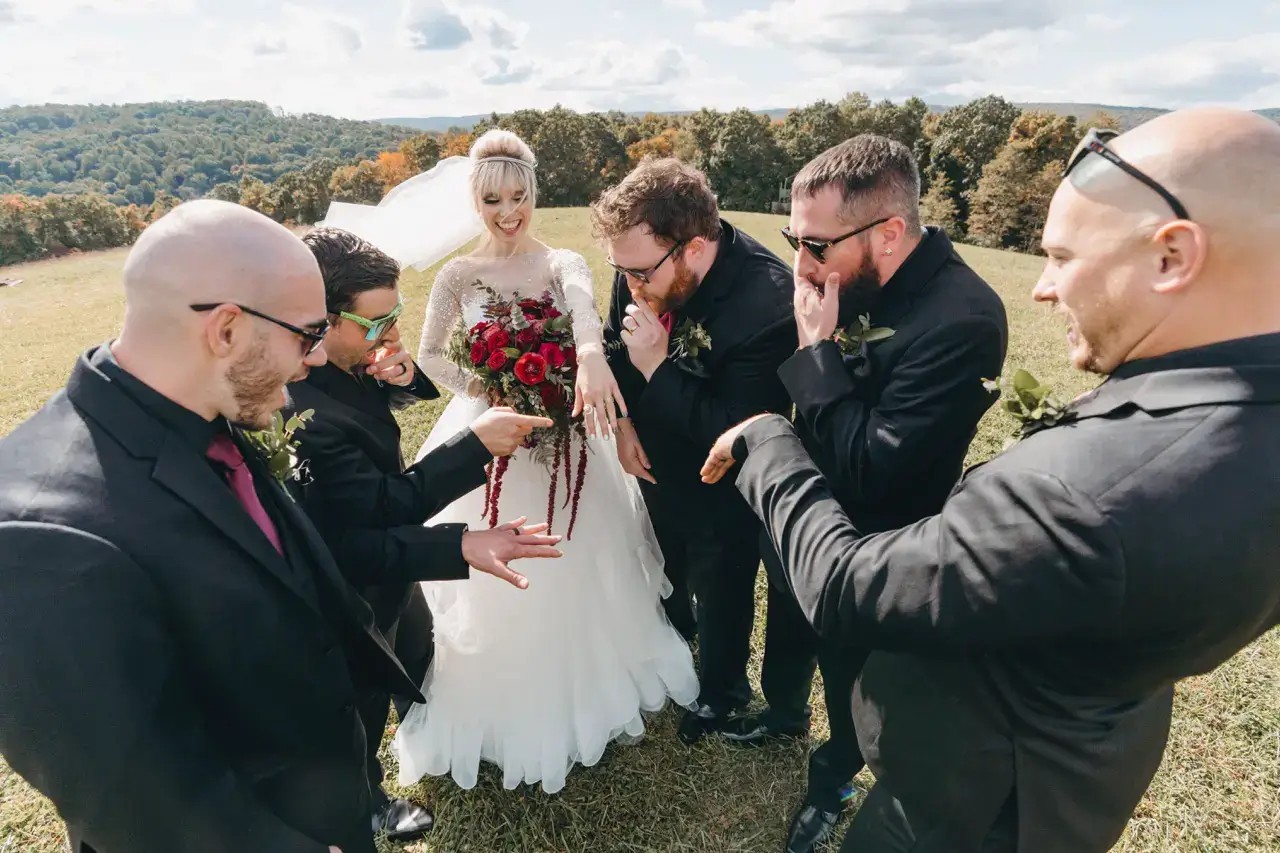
888 417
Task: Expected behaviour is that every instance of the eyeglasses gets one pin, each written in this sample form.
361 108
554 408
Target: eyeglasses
818 248
311 338
643 275
374 329
1095 141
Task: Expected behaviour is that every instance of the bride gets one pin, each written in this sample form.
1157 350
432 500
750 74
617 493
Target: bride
539 679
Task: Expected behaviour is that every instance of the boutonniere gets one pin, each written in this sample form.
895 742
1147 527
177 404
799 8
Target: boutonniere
1034 404
278 446
853 340
689 339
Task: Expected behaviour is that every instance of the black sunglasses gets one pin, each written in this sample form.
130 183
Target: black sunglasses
311 338
1095 141
818 248
643 275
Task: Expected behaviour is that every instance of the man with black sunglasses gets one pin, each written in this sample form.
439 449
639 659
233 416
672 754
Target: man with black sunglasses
698 323
888 416
368 507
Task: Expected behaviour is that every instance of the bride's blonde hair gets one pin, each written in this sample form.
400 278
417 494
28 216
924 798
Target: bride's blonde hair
502 159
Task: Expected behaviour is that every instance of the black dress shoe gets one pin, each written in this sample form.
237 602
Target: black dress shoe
402 820
810 827
698 723
758 730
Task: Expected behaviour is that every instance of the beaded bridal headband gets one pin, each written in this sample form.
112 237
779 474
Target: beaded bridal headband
502 159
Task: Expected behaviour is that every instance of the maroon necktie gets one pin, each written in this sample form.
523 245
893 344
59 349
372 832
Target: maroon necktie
668 320
224 451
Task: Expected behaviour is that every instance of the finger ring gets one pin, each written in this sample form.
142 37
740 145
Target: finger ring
404 368
588 408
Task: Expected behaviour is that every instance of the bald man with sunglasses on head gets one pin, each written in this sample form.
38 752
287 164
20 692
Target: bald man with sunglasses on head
368 507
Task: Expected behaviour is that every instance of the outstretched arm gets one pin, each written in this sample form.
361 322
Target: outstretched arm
596 386
444 312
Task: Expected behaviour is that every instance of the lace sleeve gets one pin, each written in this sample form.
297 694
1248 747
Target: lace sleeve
575 282
444 312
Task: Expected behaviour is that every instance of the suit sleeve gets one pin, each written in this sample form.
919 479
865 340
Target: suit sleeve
407 554
933 400
348 486
747 384
1013 557
418 391
630 381
97 711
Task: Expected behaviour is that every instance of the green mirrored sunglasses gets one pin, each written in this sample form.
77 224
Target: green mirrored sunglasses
374 329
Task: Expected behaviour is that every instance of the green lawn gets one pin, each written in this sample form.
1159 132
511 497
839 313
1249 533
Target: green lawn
1218 789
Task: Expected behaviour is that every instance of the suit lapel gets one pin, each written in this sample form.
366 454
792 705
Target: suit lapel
188 477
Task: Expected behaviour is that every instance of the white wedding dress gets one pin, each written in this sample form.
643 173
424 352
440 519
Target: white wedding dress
537 680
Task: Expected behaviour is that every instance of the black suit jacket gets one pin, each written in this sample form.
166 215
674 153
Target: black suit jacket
368 507
744 303
890 426
1038 623
170 681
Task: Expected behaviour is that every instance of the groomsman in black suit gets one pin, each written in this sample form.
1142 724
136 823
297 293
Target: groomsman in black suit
368 506
1029 635
180 657
699 322
888 415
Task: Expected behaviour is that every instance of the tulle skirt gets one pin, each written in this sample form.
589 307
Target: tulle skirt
539 679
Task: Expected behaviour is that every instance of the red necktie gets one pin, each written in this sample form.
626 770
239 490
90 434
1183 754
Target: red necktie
224 451
668 320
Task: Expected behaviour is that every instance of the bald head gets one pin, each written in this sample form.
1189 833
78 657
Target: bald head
265 307
214 251
1132 279
1222 164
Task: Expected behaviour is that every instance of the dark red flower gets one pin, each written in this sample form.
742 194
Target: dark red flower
551 313
478 353
532 308
497 337
552 396
553 354
570 357
497 360
526 338
531 368
478 329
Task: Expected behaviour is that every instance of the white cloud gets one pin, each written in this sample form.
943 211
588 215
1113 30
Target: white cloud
501 70
302 33
433 25
17 11
424 90
615 66
1209 71
1105 23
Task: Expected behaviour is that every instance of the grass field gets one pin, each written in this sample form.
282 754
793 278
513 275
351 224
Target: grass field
1218 789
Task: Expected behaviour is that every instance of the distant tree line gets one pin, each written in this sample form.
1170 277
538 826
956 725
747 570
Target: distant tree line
987 167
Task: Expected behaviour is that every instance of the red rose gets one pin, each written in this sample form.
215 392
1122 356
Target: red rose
553 354
497 337
478 329
551 313
478 353
531 368
526 338
531 307
497 360
570 357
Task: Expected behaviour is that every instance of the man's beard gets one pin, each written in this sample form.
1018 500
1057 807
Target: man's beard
858 292
683 286
254 388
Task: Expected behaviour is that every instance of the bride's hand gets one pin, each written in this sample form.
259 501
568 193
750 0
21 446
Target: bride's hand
597 396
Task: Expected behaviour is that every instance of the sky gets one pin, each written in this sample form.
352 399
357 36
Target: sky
382 58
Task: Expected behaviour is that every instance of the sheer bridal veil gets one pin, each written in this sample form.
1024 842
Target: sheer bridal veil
421 220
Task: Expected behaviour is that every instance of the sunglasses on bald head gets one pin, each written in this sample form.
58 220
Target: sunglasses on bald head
311 337
1095 142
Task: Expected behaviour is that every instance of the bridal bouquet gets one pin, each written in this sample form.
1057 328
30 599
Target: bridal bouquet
524 353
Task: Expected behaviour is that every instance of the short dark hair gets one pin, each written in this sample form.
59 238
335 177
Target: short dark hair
350 266
672 198
876 176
